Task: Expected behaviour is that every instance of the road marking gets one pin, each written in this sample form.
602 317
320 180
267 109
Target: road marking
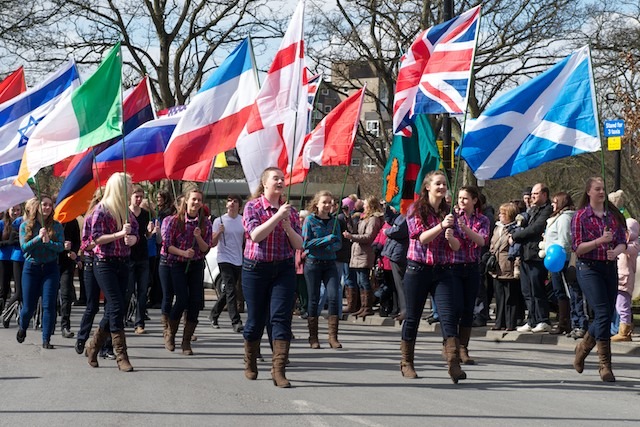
304 407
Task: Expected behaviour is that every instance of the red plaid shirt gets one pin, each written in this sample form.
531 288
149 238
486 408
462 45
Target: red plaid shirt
436 251
276 246
102 222
586 226
182 238
470 252
85 241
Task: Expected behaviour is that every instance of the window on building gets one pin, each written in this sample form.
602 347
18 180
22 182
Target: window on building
373 127
327 109
325 91
370 166
355 162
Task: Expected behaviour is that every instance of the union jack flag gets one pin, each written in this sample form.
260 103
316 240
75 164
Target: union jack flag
435 72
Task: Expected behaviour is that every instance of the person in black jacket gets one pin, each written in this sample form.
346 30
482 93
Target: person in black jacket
532 271
395 248
68 260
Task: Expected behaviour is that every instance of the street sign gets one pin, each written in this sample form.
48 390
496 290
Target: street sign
614 143
614 128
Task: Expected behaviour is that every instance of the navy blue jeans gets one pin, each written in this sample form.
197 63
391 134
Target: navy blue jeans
40 280
599 282
92 292
362 278
269 290
532 277
138 283
164 273
470 279
449 294
418 283
317 272
113 278
558 281
187 285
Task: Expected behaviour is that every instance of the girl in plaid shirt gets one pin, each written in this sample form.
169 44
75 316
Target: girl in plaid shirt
599 236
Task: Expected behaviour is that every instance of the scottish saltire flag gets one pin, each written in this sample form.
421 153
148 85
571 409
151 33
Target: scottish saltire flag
435 72
144 148
214 118
18 118
90 116
547 118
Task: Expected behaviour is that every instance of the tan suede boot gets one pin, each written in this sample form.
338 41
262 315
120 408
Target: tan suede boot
453 360
465 335
95 344
280 357
251 352
407 349
333 322
170 336
624 333
312 322
120 349
604 359
582 351
187 333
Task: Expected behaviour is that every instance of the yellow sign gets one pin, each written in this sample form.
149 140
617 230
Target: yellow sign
614 143
440 144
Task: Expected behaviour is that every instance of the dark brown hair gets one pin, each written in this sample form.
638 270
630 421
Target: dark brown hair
422 207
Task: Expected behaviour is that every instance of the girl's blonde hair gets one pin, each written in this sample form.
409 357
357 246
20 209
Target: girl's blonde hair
313 204
373 207
32 209
115 200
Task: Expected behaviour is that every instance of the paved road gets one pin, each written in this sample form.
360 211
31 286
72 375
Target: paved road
514 383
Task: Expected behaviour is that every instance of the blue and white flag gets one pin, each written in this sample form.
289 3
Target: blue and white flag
18 118
551 116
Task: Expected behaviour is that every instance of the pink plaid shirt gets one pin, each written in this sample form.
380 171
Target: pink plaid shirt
102 222
587 226
276 246
182 238
437 251
470 252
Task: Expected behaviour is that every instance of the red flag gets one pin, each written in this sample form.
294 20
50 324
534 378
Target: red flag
13 85
278 120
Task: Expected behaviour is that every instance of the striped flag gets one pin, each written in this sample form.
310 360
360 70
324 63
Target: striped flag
90 116
214 119
278 120
18 118
314 83
435 72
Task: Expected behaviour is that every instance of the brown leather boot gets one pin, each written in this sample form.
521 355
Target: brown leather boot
564 319
120 349
582 350
280 357
333 331
453 360
251 352
95 344
187 333
352 295
407 349
365 300
170 336
312 322
604 358
164 321
624 333
465 335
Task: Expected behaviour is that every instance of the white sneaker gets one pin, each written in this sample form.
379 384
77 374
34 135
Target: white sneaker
542 327
524 328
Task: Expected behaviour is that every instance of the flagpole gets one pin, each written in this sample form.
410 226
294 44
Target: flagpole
35 180
95 164
344 183
304 190
215 190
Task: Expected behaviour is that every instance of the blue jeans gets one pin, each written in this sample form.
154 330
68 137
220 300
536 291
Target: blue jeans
92 291
419 281
164 272
187 285
449 294
578 316
599 282
138 283
113 278
40 280
362 278
348 276
315 273
532 277
469 276
557 281
269 290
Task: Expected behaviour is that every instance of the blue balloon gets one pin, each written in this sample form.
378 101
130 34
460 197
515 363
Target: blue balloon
555 258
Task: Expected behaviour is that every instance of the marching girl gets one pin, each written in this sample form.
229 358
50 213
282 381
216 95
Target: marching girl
321 235
114 231
10 249
474 227
41 244
599 236
268 272
432 243
92 290
186 239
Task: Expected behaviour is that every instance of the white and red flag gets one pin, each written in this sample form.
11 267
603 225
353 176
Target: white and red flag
278 120
435 72
331 142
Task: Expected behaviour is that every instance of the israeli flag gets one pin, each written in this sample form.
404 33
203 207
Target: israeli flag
551 116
